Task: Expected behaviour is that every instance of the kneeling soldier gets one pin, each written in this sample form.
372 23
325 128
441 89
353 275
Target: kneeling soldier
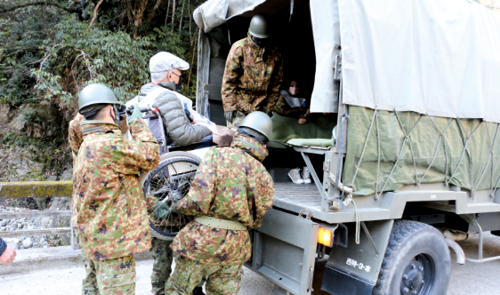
230 194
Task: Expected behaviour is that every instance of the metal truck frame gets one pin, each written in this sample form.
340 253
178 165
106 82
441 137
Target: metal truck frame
358 230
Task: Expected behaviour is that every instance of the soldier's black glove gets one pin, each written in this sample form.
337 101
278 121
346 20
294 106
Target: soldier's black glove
229 116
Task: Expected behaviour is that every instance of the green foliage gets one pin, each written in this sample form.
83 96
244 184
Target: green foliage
13 139
22 34
32 116
78 56
52 50
10 137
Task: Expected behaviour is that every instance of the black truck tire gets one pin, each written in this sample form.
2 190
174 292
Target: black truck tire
417 261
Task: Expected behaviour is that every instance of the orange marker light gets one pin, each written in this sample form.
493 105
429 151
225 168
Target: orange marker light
325 237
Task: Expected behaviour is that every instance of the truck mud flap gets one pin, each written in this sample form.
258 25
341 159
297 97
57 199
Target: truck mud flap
355 269
284 250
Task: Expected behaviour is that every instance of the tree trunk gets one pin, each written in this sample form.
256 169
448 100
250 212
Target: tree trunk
182 15
137 12
166 14
95 13
173 15
192 61
190 17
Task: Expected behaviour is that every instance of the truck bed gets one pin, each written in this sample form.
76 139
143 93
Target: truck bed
297 197
306 198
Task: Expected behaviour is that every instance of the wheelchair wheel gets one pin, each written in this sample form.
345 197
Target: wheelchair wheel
164 187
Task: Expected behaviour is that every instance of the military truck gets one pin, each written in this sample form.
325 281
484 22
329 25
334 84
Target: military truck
411 165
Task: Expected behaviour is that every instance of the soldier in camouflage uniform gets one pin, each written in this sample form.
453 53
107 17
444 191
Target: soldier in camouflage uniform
230 194
108 203
75 138
75 135
252 76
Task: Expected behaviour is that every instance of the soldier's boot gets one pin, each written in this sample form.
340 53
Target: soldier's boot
198 291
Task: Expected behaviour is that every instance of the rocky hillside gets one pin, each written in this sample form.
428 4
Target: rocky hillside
33 143
33 147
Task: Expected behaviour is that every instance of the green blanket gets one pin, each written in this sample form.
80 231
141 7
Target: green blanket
323 142
473 168
285 128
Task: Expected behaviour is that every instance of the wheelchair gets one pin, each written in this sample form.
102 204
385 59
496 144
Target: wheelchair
170 181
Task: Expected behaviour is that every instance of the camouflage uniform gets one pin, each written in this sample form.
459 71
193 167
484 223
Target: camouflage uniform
109 208
160 250
75 135
232 184
112 276
162 264
223 279
252 79
237 119
75 138
283 108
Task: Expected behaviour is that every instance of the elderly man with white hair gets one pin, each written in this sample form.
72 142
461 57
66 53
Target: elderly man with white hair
182 130
166 79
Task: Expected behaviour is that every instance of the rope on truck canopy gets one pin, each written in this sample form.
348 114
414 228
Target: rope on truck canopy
408 140
490 157
408 137
441 135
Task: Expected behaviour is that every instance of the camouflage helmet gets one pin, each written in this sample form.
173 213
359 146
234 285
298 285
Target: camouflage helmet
259 122
259 27
96 94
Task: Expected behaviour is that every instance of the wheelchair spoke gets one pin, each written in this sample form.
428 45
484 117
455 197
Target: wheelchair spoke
168 189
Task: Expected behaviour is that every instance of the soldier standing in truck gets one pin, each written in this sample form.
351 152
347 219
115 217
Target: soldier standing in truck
252 76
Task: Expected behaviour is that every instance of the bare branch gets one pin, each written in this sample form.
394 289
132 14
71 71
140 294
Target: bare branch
157 4
95 13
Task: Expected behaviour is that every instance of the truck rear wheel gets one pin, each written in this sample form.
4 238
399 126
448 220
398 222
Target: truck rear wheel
416 262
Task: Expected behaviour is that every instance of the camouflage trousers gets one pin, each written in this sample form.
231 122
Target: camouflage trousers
222 280
110 277
162 264
89 284
237 119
